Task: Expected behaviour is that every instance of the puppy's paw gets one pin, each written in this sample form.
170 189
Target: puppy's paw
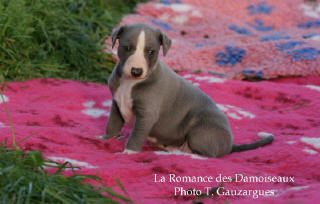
128 151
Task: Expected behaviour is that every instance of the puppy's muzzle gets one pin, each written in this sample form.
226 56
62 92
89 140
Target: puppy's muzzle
136 72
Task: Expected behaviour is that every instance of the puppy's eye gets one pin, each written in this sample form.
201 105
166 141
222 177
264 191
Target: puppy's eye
127 48
150 52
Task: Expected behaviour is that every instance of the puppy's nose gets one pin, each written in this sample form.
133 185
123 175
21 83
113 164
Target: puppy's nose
136 72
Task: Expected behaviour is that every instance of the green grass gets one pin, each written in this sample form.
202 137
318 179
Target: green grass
23 179
58 38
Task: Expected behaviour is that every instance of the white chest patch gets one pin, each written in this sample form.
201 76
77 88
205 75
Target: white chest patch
124 99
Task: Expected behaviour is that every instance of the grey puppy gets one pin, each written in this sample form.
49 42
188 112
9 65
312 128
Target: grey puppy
164 107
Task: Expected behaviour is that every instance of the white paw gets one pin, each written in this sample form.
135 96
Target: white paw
128 151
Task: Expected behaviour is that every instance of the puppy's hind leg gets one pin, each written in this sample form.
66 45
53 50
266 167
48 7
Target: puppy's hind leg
183 148
210 142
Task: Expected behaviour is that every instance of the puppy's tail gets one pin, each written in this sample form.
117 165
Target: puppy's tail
267 138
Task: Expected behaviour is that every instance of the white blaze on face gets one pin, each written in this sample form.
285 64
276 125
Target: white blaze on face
123 93
137 59
124 99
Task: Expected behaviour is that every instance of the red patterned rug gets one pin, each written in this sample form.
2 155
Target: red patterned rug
238 38
68 117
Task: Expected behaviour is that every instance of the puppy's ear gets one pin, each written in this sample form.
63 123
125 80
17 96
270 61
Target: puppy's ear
164 41
116 34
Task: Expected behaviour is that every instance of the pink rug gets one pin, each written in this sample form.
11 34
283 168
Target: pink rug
67 117
238 38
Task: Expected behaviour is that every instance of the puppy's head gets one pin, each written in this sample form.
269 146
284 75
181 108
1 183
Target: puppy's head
138 50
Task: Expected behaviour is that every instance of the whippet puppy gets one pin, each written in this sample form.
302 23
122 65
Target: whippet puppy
163 107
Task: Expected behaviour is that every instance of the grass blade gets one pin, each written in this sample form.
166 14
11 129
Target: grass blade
117 195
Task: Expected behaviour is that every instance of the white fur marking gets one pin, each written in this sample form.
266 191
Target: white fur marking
124 99
128 151
74 162
5 99
313 141
152 139
137 58
314 87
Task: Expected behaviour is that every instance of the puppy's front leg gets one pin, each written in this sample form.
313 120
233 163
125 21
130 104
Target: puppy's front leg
115 122
141 129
